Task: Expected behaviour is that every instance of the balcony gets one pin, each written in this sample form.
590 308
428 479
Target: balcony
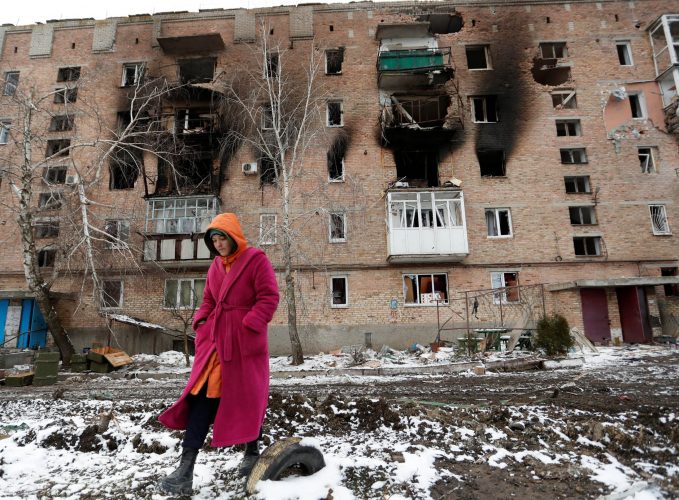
186 250
421 67
665 43
426 226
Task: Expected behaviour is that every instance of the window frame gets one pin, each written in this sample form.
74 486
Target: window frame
564 125
69 73
345 279
64 148
62 123
596 239
161 210
339 178
658 231
9 84
50 200
270 229
269 58
195 304
5 127
138 73
343 216
572 97
587 182
52 225
120 298
122 234
496 218
640 109
418 296
563 46
501 297
339 51
651 163
583 152
60 172
577 213
47 257
341 113
627 51
486 56
484 108
65 95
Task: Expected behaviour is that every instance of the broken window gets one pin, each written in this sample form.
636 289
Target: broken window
334 114
118 234
659 220
624 53
425 289
484 109
647 160
69 74
124 168
582 215
418 167
577 184
267 229
269 172
180 215
5 125
564 99
568 128
58 147
272 65
491 162
193 120
333 61
425 209
429 111
671 290
46 257
46 228
637 105
197 70
132 73
50 200
339 291
65 95
111 294
11 83
587 245
338 227
267 117
573 155
553 50
61 123
478 56
498 222
54 175
508 282
183 294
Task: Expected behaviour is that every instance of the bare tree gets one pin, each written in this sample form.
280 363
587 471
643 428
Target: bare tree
276 108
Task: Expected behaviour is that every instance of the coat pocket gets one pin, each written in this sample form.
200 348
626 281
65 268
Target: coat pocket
253 343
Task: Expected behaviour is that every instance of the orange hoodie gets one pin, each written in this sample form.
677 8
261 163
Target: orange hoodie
228 223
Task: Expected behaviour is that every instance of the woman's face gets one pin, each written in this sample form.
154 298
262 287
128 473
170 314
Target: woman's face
222 244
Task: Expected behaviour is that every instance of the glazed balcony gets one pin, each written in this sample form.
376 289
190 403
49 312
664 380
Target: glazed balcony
411 68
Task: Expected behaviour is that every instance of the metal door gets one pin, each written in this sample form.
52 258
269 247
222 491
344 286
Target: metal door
33 328
25 325
595 314
633 314
4 305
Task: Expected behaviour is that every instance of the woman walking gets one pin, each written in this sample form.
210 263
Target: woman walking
229 381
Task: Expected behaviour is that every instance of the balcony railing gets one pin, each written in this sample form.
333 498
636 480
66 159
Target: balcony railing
426 225
413 60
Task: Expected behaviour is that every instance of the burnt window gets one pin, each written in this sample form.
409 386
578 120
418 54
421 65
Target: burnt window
484 109
587 245
268 173
577 184
419 168
65 96
197 70
124 168
193 121
272 65
46 257
61 123
111 294
553 50
335 166
68 74
11 82
478 56
333 61
334 114
671 290
491 162
58 147
46 228
50 200
54 175
573 155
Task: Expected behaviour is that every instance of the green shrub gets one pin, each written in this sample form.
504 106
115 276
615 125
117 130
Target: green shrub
553 335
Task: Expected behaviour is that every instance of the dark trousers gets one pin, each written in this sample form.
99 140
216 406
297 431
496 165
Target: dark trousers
202 411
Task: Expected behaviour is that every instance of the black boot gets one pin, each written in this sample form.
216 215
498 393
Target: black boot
180 482
249 458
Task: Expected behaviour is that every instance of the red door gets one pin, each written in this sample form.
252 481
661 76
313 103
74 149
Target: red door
633 314
595 314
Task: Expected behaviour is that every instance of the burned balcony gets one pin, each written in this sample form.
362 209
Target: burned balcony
174 228
420 119
426 225
191 121
416 67
189 44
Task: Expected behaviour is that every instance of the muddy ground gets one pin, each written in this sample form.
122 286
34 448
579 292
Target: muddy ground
626 413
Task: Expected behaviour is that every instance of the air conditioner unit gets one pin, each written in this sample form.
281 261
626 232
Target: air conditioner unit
250 168
71 180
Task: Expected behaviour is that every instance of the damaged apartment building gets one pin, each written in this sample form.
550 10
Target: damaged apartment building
475 165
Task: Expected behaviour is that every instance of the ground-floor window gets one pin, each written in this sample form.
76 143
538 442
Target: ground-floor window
425 289
183 293
111 294
508 281
339 291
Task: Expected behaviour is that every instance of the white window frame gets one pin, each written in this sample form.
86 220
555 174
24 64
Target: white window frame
597 244
344 278
327 113
581 151
327 52
496 218
626 52
649 163
484 108
424 299
195 304
5 126
641 101
571 96
138 73
267 230
581 216
486 53
343 216
566 127
167 215
659 223
120 297
587 184
121 237
9 88
498 280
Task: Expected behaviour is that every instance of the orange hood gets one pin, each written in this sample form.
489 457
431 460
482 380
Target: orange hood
228 223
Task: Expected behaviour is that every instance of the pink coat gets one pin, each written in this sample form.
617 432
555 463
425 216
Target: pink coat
237 308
